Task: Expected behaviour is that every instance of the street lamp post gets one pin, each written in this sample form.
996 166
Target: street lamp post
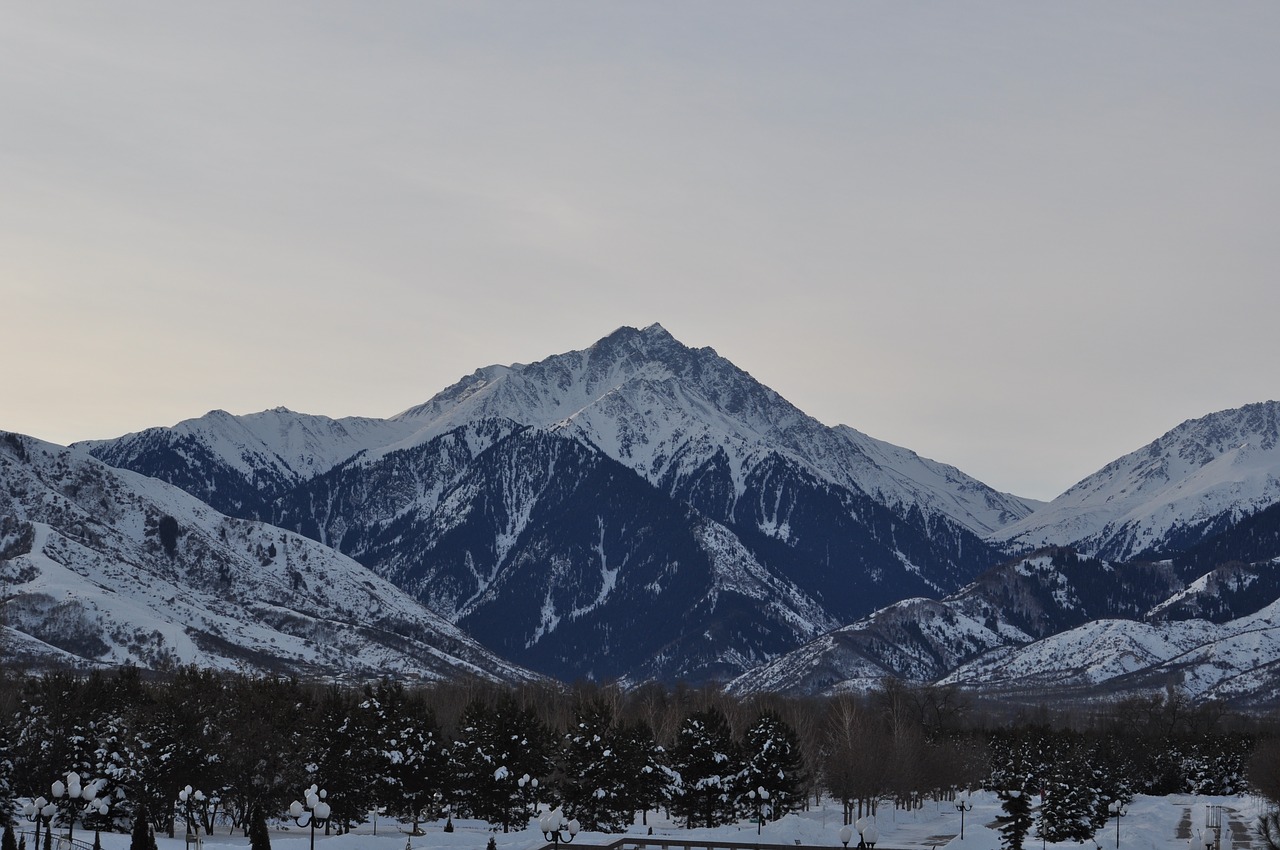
760 798
529 790
97 806
962 807
553 826
1117 811
317 811
73 791
191 800
40 811
868 835
845 834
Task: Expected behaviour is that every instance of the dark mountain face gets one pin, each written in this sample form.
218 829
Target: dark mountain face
551 552
1011 605
1057 589
1232 574
1252 540
556 556
843 548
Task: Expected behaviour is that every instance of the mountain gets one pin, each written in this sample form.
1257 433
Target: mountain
1192 483
636 509
925 640
103 567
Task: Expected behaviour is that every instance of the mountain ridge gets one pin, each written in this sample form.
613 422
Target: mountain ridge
497 504
754 488
1181 488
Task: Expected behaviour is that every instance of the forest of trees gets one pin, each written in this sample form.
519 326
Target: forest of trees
469 749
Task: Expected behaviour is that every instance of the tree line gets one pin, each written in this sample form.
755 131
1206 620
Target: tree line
606 754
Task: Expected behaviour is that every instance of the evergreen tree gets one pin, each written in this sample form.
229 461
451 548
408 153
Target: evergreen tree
165 754
346 756
649 776
1066 811
416 760
53 729
1069 792
8 842
1016 820
499 755
141 838
773 762
707 761
263 745
597 772
259 837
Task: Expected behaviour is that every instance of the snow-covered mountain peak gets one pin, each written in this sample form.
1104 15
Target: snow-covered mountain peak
1177 489
293 446
667 410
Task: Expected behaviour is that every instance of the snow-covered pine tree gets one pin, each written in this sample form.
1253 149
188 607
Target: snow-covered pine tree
649 775
1066 810
417 760
1069 792
774 762
708 762
609 770
498 754
346 755
1016 820
593 775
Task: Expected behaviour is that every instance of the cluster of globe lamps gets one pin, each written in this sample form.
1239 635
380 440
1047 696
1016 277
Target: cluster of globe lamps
42 811
868 834
314 808
554 826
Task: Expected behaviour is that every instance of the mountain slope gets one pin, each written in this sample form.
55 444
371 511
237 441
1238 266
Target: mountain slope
105 567
1185 487
1009 606
1237 661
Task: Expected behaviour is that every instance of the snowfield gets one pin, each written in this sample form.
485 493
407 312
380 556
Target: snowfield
1176 822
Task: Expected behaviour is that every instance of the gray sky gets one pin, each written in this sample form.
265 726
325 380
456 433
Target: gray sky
1022 238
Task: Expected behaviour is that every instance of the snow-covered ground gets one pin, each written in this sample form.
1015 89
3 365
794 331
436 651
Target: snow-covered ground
1152 823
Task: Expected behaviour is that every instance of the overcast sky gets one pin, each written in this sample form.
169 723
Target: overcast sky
1021 238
